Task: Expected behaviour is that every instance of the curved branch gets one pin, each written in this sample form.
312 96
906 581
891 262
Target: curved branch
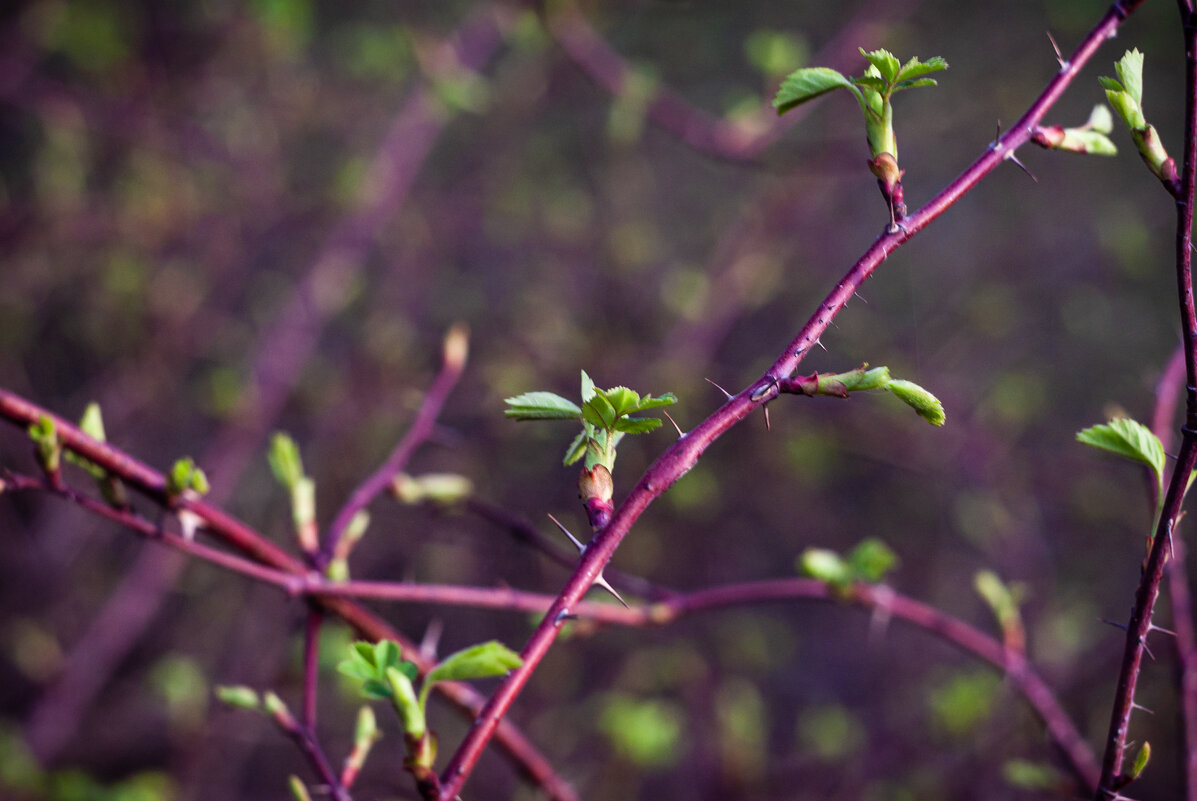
683 454
261 557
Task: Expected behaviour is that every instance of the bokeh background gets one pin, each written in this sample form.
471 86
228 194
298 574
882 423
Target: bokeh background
221 219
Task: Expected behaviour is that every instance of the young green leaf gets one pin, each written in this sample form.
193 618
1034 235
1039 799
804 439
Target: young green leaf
386 654
870 560
825 565
1141 760
541 406
808 83
238 696
927 405
356 669
576 449
599 412
885 62
649 402
1130 439
285 463
1100 119
185 475
44 434
1130 72
622 400
915 69
637 425
486 659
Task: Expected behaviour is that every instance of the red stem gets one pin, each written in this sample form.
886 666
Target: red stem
683 454
311 665
266 562
1147 593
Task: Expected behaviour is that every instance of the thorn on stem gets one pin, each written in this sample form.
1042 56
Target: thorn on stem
581 548
1154 627
1063 62
721 389
1142 708
767 426
599 580
1112 623
1011 157
680 433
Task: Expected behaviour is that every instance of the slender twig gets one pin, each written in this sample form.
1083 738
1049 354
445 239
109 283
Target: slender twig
1168 392
266 562
1147 593
680 457
421 429
311 665
304 735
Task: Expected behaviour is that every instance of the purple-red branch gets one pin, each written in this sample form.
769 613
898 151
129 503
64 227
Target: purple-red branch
677 460
1147 593
261 559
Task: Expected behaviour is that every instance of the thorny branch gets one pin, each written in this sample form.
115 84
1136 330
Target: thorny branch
683 454
1140 625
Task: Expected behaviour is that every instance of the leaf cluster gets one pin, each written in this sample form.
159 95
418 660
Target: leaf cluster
873 90
384 674
606 416
867 563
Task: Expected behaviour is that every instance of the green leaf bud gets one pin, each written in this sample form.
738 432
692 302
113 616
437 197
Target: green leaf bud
298 791
927 405
238 696
285 461
1141 760
825 565
44 434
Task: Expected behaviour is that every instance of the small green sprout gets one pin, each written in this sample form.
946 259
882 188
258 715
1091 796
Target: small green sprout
1126 96
605 415
874 91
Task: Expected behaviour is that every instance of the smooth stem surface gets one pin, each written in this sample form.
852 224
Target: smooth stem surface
683 454
1148 591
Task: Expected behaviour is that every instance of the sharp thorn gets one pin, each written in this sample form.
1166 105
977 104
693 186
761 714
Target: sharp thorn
564 616
1059 56
680 433
819 342
602 582
862 300
721 389
1011 157
1145 648
581 548
1154 627
767 426
1102 619
1141 708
